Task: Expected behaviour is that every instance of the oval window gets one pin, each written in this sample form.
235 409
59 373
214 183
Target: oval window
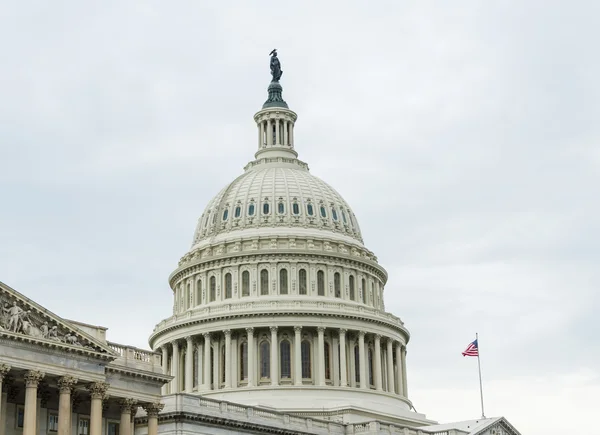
334 214
266 208
280 208
309 209
251 210
238 211
323 212
295 208
225 214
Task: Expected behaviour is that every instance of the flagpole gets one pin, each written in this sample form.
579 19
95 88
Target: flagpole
479 366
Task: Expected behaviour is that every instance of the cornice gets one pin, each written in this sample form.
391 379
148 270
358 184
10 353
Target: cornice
143 374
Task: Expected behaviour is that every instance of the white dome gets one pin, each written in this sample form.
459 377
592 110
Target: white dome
277 198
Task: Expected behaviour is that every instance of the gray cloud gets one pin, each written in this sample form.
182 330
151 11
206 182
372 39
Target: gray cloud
464 136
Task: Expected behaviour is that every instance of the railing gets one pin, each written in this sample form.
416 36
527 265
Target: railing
133 357
278 305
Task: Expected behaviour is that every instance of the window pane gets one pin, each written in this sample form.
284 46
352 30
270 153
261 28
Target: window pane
213 288
337 285
223 370
344 217
334 214
227 286
245 283
327 362
370 367
265 360
251 210
309 209
351 285
238 211
285 359
244 361
225 214
264 282
266 208
323 212
283 281
295 208
356 365
302 281
306 366
280 208
320 283
364 291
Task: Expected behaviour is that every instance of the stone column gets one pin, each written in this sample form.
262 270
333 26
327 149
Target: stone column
200 366
335 357
207 346
32 379
189 364
291 133
97 393
298 355
269 132
399 368
377 363
65 385
343 365
321 355
215 366
134 409
404 386
175 368
285 132
277 135
251 373
260 143
165 368
390 366
125 426
364 382
274 348
152 409
4 369
227 333
352 380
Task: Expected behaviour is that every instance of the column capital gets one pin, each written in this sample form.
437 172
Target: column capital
273 329
206 335
362 334
342 331
377 336
33 378
65 384
250 330
297 329
189 339
227 332
4 369
152 409
126 405
98 390
321 329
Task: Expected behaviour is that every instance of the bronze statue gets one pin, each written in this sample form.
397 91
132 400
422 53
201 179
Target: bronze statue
275 66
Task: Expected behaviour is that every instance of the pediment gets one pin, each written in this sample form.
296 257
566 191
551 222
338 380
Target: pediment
499 427
21 318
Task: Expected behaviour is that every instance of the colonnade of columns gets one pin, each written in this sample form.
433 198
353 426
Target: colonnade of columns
277 131
275 356
66 387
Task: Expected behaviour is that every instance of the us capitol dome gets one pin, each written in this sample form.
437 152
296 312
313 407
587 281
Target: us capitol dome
278 302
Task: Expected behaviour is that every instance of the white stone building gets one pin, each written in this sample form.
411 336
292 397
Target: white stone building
278 326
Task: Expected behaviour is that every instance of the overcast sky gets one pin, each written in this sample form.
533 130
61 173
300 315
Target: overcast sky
465 136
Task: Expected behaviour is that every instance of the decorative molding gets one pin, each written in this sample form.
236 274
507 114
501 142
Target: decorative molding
153 409
98 390
65 384
33 377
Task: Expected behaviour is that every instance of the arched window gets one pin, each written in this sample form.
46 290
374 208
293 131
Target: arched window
356 365
323 212
264 282
213 288
370 366
198 291
364 291
351 285
302 281
266 208
321 283
223 370
251 210
285 359
337 285
265 360
310 210
225 214
283 281
295 208
305 357
238 211
334 214
280 208
244 361
327 361
245 283
227 286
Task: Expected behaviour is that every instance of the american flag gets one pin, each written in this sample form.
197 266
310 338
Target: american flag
471 350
